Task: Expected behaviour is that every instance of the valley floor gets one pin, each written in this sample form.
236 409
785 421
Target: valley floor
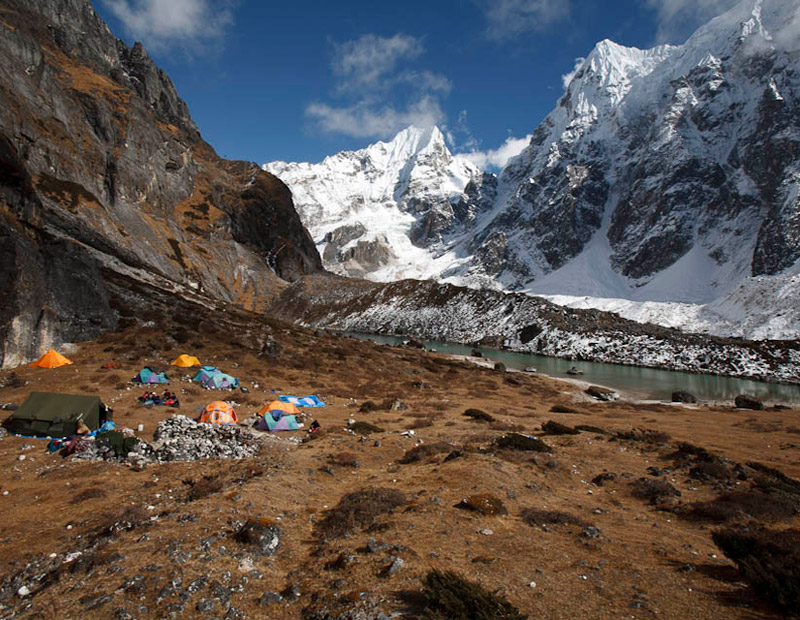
160 542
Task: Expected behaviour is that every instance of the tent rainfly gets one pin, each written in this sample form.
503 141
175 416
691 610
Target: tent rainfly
185 361
51 359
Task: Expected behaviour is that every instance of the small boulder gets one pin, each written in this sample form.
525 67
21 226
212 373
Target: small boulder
682 396
746 401
476 353
262 534
601 393
500 367
483 503
574 371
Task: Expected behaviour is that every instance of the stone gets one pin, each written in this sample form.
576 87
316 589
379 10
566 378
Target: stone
500 367
746 401
681 396
601 393
270 598
262 534
394 566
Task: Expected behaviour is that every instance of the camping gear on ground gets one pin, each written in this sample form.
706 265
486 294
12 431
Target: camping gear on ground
213 378
315 426
218 412
46 414
302 401
119 442
51 359
149 374
186 361
167 399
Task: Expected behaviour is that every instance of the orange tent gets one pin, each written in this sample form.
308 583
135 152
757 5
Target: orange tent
218 412
186 361
51 359
287 408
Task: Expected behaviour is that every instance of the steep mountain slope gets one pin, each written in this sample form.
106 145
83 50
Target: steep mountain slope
436 311
383 210
668 175
108 192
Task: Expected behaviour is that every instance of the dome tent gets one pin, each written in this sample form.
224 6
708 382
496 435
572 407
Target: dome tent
278 416
148 374
51 359
218 412
213 378
185 361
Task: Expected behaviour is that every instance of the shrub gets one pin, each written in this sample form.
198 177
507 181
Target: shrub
644 436
710 471
654 491
515 441
477 414
364 428
562 409
588 428
344 459
750 503
203 487
448 595
768 560
600 479
424 451
483 503
358 509
534 516
555 428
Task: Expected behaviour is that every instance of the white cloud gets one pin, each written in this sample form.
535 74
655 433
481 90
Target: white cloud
164 24
567 77
678 19
499 157
379 94
363 120
508 18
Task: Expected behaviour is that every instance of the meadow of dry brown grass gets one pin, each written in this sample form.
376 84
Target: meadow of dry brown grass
651 554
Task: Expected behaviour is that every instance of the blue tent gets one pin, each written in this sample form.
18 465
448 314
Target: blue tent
151 375
214 379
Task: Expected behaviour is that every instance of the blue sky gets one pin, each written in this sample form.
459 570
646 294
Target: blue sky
301 80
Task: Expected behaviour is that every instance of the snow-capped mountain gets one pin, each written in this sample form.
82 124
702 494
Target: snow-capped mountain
669 174
380 212
663 175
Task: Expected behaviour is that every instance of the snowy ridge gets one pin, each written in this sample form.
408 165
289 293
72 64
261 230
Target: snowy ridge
434 311
373 212
666 178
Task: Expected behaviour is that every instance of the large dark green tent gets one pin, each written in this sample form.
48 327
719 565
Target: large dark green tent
56 415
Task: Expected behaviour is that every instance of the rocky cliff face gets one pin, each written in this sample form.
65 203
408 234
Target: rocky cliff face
666 174
106 186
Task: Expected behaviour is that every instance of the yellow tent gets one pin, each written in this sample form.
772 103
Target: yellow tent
185 361
51 359
286 408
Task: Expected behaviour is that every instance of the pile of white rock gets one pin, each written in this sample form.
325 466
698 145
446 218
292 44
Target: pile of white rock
179 438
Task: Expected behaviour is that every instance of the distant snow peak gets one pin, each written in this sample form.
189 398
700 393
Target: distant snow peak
378 212
664 175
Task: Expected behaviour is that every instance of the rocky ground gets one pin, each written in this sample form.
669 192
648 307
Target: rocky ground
609 523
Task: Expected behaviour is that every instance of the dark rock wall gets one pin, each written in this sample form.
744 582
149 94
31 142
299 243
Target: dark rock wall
103 170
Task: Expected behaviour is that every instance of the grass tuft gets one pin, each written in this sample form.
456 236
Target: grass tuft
450 596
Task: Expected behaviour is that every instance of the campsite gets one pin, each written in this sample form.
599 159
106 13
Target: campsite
422 462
